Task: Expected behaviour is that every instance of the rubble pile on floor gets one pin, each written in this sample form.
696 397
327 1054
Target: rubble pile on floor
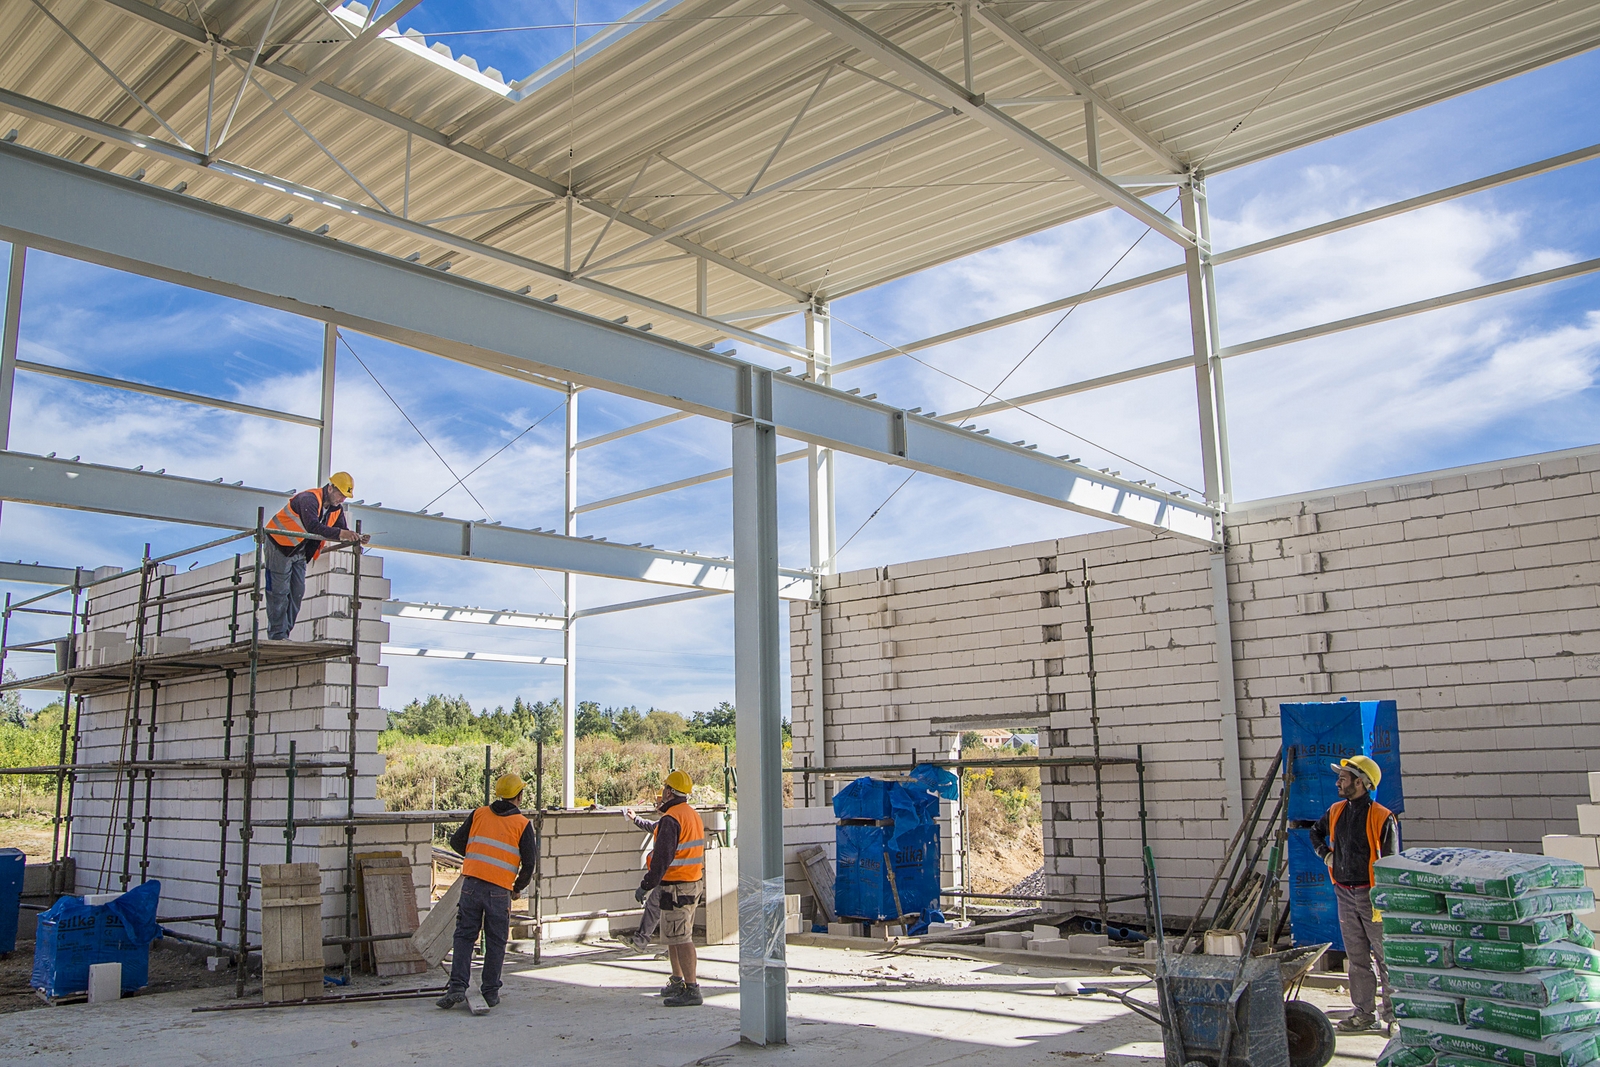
1488 960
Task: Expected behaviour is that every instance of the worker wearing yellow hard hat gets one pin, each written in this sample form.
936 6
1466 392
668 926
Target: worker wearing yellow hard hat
319 512
674 880
1355 833
499 852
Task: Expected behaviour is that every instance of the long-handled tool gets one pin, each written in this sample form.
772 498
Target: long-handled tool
1235 990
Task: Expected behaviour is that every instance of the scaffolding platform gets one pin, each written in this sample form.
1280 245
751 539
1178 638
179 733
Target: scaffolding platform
166 667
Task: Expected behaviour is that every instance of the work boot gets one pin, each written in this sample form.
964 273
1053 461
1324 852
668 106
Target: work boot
673 987
492 999
450 999
1356 1022
687 997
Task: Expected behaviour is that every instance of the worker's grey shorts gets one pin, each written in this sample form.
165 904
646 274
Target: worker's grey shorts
678 903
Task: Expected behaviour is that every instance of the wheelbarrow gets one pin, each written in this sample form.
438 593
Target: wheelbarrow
1218 1011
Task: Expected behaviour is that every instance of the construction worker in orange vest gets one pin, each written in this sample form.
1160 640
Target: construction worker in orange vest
499 853
1355 833
677 867
288 550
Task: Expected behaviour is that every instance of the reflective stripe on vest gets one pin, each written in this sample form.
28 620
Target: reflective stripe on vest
1377 817
286 529
494 852
688 863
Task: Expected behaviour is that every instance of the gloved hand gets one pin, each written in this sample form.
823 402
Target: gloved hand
1328 859
640 893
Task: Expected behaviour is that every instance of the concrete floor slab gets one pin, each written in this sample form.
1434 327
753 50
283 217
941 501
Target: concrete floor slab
594 1006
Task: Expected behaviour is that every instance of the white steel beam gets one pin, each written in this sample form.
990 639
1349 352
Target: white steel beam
269 183
1068 80
758 693
399 652
569 608
168 394
406 609
39 574
651 602
63 483
10 333
947 92
1165 274
330 363
87 214
629 431
1401 207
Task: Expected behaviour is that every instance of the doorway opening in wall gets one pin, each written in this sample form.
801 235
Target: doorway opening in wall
1002 833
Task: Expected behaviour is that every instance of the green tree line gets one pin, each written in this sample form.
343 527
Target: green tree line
446 720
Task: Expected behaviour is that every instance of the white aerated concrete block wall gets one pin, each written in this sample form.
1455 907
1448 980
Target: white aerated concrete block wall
308 703
1468 596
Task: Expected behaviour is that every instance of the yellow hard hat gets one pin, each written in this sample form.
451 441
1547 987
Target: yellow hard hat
508 786
679 782
342 481
1362 765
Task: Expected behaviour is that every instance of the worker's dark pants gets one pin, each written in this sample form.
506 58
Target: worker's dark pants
286 585
1363 949
486 907
650 919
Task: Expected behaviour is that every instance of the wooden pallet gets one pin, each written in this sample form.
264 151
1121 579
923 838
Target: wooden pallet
819 874
389 906
291 932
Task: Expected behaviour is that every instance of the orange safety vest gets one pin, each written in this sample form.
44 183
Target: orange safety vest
292 529
1377 816
494 852
688 863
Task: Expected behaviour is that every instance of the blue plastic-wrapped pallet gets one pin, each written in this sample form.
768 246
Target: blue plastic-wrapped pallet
12 863
897 821
72 935
1313 908
1316 735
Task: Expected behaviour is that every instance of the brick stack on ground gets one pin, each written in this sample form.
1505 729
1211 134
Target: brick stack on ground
1471 596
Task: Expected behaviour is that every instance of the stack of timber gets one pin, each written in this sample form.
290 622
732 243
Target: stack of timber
291 932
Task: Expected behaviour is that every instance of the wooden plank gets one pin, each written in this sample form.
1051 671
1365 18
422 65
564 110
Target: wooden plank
819 874
476 1003
433 938
291 932
364 954
389 900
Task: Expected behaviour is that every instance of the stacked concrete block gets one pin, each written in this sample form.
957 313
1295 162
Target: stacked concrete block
1584 846
1470 596
308 703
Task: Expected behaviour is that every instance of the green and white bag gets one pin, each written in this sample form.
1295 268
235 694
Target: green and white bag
1539 931
1408 1005
1520 909
1404 899
1528 1020
1476 872
1433 952
1540 987
1399 1054
1564 954
1573 1049
1490 955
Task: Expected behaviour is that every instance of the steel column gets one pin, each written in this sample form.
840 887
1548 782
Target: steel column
569 628
758 696
330 352
9 334
1214 457
824 522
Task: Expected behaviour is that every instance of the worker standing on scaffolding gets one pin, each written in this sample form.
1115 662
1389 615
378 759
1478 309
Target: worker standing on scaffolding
677 876
499 853
288 550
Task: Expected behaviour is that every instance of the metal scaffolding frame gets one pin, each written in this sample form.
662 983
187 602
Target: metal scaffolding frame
74 181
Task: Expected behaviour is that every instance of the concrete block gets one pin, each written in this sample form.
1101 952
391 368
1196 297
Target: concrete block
1573 847
1055 946
845 929
105 982
1042 932
1589 820
1086 944
1594 786
1003 939
1591 878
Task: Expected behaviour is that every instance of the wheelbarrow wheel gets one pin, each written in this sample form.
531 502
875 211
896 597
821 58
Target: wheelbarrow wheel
1311 1037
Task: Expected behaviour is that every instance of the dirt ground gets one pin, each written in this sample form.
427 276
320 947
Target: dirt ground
170 970
29 831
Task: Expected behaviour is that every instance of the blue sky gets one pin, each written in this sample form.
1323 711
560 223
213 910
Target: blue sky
1504 377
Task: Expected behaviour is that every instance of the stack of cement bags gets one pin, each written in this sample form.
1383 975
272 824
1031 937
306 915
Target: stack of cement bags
1487 959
